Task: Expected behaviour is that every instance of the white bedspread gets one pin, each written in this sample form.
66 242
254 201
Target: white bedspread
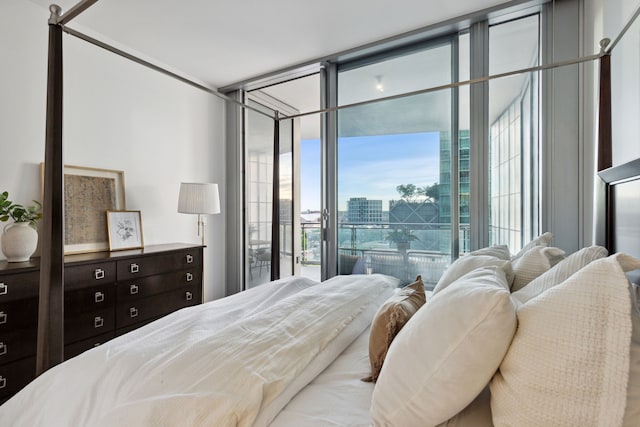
198 367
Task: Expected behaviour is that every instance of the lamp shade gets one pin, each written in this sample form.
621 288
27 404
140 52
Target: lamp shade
198 198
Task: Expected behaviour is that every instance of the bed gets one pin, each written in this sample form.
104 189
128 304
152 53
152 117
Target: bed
294 352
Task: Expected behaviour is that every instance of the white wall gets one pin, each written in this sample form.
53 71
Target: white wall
117 115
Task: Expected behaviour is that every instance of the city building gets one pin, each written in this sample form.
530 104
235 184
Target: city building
360 210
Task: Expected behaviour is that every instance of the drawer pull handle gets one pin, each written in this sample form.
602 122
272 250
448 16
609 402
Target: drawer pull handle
3 289
133 312
3 382
99 297
189 258
189 277
133 289
97 344
189 296
3 349
134 268
98 274
3 317
98 322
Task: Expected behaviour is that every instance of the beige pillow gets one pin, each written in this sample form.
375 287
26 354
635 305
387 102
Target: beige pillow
568 363
446 354
559 273
632 411
542 240
498 251
533 263
389 319
468 263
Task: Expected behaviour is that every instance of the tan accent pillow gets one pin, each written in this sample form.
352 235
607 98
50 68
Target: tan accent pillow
542 240
568 363
533 263
468 263
559 273
446 355
632 412
389 319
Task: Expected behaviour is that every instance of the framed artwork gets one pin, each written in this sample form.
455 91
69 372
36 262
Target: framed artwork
125 230
88 194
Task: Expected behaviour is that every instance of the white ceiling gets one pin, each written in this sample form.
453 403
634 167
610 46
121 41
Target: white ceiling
223 42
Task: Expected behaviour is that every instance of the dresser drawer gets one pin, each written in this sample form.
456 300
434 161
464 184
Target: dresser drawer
18 314
76 348
129 313
17 344
19 286
82 276
88 325
152 285
14 376
89 299
158 264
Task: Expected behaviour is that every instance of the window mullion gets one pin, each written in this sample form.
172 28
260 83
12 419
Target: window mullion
479 137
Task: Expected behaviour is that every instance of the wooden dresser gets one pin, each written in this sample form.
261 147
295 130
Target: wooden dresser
106 294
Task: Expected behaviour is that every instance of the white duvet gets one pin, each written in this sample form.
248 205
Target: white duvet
218 364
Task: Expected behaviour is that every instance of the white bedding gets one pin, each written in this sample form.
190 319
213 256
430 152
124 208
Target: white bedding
336 397
172 371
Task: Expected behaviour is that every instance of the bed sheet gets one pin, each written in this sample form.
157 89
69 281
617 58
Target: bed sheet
337 397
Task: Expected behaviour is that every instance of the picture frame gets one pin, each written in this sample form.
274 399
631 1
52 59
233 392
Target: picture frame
125 230
88 193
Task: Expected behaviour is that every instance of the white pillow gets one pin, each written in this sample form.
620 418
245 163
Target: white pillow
446 353
559 273
568 363
533 263
632 412
498 251
466 264
542 240
476 414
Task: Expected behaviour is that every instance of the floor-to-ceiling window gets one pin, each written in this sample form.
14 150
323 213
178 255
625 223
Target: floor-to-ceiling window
513 133
394 163
406 179
299 181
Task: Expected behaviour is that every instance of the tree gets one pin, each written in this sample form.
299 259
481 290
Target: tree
408 192
430 192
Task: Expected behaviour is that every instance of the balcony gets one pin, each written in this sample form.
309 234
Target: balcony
365 249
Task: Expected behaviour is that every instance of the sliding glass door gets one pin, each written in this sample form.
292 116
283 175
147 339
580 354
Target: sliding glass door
395 164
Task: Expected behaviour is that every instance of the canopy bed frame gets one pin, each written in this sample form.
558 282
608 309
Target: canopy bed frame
50 320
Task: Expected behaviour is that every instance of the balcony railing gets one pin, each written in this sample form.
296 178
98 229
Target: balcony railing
365 248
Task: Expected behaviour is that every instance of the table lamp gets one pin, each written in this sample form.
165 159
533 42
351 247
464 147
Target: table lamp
199 198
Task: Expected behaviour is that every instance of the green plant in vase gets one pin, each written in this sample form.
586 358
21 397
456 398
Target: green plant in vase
20 238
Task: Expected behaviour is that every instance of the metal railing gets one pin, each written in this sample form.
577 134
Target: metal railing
370 248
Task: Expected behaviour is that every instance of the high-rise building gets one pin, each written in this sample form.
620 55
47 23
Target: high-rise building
444 201
360 210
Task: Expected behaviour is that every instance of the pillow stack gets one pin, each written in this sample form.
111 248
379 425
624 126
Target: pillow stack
443 358
574 358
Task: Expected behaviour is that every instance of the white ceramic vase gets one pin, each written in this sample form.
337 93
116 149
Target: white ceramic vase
19 241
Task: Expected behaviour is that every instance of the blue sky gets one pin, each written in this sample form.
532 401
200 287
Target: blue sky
372 167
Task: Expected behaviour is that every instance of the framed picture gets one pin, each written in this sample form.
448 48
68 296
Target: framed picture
88 194
125 230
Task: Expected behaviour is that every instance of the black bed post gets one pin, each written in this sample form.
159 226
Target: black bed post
275 211
605 156
50 349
